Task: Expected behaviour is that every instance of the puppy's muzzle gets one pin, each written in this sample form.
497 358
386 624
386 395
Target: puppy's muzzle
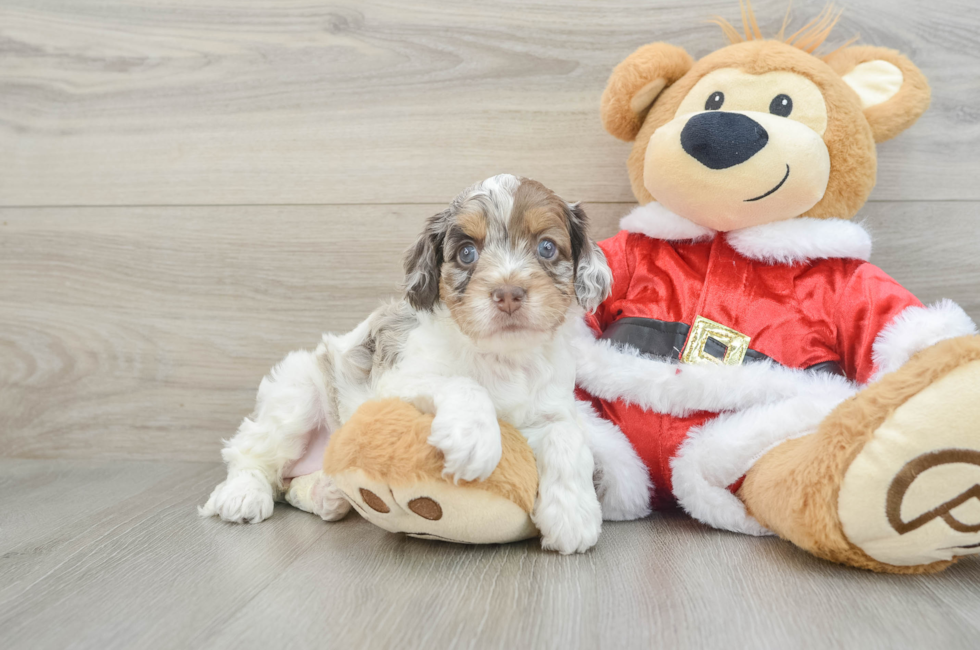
719 140
508 298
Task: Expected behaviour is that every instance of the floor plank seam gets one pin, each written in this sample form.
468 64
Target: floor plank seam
357 204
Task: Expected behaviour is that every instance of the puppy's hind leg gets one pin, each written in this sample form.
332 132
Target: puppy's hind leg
622 481
292 403
317 493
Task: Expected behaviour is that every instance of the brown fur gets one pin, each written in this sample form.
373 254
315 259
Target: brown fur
899 113
848 137
851 132
793 489
538 222
474 225
650 62
388 441
537 213
808 38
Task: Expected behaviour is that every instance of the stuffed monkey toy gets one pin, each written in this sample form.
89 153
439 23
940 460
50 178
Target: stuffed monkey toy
807 394
749 165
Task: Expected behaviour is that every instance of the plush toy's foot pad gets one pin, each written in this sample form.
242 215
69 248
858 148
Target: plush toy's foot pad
911 496
435 509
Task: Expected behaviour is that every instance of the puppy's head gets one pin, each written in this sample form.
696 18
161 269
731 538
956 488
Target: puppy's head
507 257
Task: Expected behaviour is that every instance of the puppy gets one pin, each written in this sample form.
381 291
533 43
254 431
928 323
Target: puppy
496 289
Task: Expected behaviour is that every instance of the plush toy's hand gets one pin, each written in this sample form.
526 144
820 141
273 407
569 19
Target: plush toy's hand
465 430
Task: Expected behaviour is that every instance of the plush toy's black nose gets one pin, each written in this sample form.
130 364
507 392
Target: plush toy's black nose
719 140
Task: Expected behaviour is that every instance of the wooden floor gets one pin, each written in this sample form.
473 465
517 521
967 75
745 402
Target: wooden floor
189 190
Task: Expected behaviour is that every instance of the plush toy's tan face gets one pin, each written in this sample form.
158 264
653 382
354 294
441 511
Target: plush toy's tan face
751 145
759 131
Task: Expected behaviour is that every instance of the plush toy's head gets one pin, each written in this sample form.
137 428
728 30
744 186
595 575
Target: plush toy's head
760 130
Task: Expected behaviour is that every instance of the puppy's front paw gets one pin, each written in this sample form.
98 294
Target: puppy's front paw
469 439
243 498
570 524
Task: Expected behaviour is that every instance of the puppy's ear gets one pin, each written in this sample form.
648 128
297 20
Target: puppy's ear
635 84
423 262
893 91
593 279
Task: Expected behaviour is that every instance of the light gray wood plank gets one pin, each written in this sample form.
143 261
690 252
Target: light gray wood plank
147 572
40 497
143 333
138 102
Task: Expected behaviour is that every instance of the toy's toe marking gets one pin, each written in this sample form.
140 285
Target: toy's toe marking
374 501
911 496
426 508
903 481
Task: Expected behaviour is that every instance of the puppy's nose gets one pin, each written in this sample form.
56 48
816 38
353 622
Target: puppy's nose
719 140
508 298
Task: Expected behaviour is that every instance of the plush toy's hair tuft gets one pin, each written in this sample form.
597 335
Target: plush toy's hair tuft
808 38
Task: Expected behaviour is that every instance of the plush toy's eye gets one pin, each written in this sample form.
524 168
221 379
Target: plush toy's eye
781 105
547 249
467 254
715 101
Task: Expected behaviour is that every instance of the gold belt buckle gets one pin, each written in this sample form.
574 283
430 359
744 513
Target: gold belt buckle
736 343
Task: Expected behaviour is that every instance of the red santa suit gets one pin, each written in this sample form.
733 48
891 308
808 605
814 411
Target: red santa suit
796 294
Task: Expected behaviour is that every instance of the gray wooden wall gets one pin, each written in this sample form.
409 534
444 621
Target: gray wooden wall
189 190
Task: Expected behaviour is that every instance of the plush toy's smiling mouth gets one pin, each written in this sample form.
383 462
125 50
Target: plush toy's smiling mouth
762 196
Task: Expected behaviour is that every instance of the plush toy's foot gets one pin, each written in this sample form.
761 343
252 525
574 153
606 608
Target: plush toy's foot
381 460
912 494
318 494
437 510
891 481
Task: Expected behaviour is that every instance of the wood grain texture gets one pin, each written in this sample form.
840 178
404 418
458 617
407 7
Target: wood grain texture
143 332
130 102
137 568
132 339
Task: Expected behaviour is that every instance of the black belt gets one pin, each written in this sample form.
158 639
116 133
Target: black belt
663 339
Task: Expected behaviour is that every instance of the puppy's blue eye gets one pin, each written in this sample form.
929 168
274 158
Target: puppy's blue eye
547 249
467 254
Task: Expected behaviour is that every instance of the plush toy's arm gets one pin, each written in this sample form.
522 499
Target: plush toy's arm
612 373
465 427
880 324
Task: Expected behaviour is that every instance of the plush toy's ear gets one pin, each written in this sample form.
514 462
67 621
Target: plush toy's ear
893 92
635 84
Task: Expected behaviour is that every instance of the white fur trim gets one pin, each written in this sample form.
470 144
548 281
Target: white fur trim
780 242
802 239
656 221
916 329
665 386
622 481
717 454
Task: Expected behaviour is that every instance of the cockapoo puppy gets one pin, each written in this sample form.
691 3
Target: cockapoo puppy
496 289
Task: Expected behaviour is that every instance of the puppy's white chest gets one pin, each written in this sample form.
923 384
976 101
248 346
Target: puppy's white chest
521 390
